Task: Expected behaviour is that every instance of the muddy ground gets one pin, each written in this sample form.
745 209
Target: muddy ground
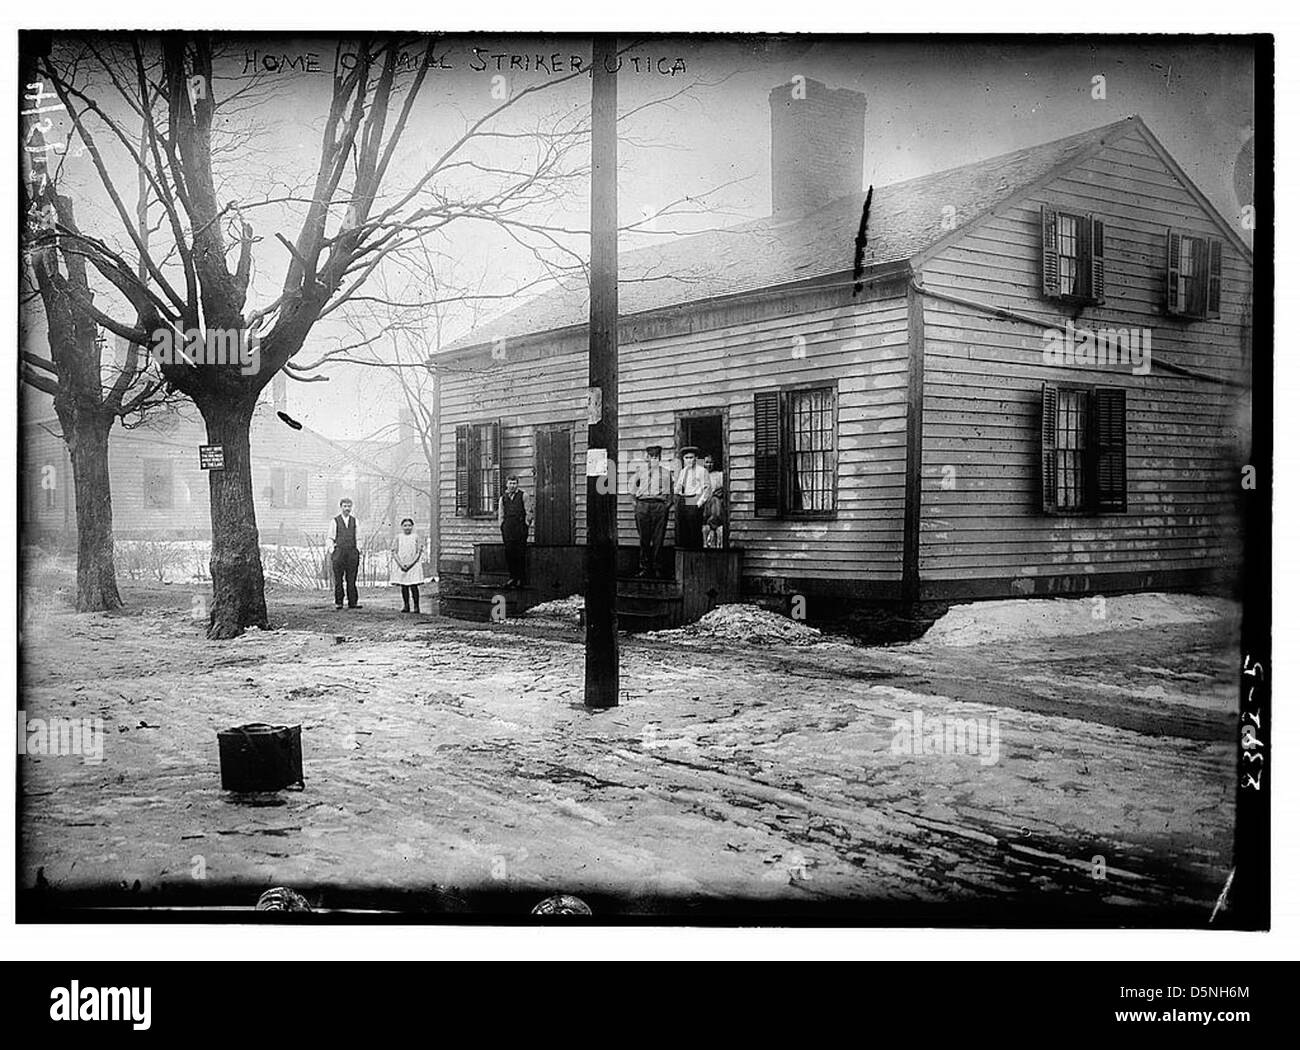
452 769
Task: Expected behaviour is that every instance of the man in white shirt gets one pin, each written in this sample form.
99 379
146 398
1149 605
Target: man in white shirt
344 554
691 492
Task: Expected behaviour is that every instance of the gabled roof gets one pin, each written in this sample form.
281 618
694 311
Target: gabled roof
906 218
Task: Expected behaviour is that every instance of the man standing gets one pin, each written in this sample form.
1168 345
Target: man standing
692 490
652 491
345 556
515 516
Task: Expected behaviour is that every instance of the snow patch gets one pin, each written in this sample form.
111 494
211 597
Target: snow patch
567 610
745 623
1018 619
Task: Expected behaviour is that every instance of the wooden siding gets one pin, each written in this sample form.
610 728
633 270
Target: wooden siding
984 375
672 368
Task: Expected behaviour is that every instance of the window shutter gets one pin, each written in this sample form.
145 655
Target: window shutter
1097 273
1172 243
462 470
1051 259
767 454
1111 422
498 468
1214 279
1049 449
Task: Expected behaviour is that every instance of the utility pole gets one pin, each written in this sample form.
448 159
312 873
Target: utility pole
602 382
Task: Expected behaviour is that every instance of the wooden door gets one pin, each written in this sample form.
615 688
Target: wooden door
553 500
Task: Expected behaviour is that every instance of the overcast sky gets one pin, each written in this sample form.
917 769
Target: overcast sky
930 106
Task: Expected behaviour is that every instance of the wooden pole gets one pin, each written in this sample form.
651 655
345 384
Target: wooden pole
602 378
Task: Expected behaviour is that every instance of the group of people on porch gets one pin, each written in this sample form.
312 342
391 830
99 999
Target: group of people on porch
696 493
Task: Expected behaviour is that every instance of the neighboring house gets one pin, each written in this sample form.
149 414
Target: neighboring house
886 410
160 491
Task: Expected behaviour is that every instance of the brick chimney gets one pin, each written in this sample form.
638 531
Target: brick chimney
818 136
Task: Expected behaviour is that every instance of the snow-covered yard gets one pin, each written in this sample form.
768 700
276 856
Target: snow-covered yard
457 761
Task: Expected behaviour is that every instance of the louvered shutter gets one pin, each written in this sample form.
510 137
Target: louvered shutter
498 466
1110 440
1214 279
462 470
767 454
1172 244
1049 449
1097 259
1051 258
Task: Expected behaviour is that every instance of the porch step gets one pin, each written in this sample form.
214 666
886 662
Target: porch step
645 587
479 604
638 621
649 610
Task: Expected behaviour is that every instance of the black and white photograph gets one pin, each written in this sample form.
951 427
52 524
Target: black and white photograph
660 478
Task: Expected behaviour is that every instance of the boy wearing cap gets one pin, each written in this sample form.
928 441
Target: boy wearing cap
652 492
692 492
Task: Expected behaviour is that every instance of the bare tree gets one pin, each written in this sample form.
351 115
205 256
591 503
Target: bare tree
89 394
346 232
349 227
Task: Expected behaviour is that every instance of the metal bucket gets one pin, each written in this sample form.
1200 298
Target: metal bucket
260 757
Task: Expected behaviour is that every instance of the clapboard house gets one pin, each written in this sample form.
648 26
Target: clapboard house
160 491
1021 376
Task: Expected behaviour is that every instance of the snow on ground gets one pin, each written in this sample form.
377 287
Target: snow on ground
1019 619
744 623
461 756
565 611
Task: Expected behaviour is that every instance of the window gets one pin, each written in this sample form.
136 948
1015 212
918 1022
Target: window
158 484
274 490
1084 432
478 469
288 488
1194 275
795 464
1074 263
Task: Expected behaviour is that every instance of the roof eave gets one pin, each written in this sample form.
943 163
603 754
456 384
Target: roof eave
874 273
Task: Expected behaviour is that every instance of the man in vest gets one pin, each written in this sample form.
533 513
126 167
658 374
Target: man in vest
344 554
515 515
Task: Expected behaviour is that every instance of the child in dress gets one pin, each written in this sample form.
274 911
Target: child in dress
408 555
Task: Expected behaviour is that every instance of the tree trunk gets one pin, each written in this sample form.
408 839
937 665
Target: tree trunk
238 587
96 572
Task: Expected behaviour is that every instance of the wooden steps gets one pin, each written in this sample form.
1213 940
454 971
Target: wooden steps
482 603
702 580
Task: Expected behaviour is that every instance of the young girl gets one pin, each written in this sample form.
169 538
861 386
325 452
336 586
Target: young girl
408 554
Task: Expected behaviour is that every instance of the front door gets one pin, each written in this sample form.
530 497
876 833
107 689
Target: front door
553 501
707 433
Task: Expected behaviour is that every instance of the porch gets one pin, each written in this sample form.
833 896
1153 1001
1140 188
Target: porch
693 582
